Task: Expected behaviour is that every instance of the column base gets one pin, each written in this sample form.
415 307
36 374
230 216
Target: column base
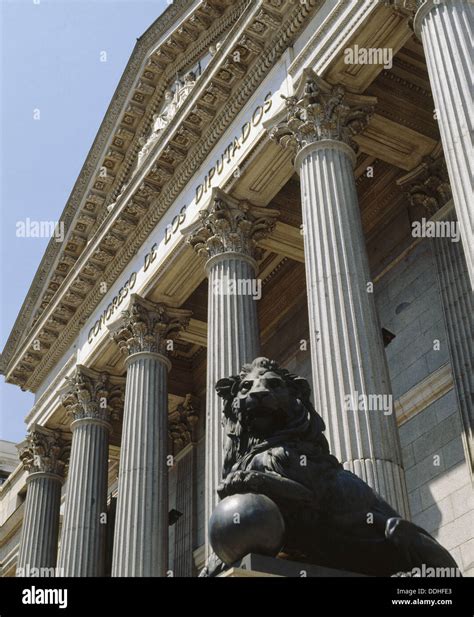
386 478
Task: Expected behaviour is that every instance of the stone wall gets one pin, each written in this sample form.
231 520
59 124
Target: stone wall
438 479
289 344
409 306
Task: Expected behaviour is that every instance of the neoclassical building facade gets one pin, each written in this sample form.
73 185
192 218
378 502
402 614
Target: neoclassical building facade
272 177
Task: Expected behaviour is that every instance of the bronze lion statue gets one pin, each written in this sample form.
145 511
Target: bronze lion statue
275 446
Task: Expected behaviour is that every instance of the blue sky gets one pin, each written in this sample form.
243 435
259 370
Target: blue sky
50 54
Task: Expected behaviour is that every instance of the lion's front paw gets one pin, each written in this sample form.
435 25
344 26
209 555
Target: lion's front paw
239 482
214 566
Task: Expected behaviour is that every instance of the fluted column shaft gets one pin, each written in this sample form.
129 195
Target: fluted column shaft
227 235
445 30
39 535
347 355
145 332
43 455
91 399
141 527
83 533
350 376
456 298
233 339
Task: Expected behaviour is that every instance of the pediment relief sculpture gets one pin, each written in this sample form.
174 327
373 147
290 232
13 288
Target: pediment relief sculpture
174 98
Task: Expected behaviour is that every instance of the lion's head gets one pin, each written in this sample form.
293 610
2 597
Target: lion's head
267 404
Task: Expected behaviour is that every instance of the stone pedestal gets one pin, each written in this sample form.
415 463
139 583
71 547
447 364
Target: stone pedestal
255 566
145 334
444 27
92 400
226 235
350 377
42 454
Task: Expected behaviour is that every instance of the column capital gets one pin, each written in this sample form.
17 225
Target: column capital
427 185
227 225
423 7
44 451
182 421
147 326
408 5
93 395
405 7
319 112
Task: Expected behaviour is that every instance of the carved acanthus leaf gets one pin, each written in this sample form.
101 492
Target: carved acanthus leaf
43 450
319 111
227 225
428 184
182 422
148 326
94 395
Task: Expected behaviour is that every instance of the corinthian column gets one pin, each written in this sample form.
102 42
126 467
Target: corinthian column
444 27
42 455
226 235
351 383
92 400
145 334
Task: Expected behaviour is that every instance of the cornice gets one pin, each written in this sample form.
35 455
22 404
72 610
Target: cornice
343 20
264 30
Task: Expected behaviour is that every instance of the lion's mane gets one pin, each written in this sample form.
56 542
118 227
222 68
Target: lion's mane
303 426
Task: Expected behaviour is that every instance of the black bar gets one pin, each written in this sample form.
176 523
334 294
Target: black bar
241 597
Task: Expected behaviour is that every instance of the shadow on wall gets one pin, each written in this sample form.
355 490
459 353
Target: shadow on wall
444 506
